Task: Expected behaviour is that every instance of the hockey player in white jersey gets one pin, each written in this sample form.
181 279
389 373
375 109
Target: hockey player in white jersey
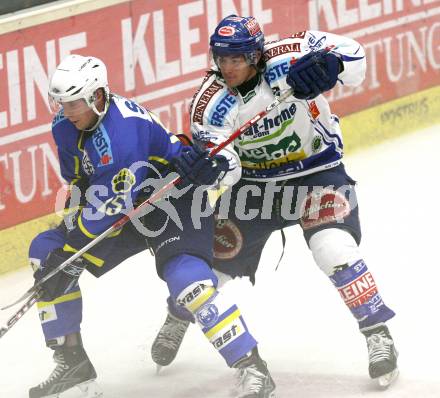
296 148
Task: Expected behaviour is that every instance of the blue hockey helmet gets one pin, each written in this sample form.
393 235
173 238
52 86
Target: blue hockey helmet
237 35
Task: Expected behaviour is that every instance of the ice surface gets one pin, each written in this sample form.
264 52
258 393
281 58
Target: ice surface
306 334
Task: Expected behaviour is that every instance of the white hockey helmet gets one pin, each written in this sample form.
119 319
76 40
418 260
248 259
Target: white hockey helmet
74 83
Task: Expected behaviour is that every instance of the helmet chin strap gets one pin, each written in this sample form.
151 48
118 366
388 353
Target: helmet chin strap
98 113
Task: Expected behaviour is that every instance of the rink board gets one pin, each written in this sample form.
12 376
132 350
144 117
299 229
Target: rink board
400 92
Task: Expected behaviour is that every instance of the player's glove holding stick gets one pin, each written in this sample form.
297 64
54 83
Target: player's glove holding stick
314 73
195 166
62 282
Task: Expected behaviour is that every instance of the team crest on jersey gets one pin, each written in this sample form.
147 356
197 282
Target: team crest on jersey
87 164
316 144
123 181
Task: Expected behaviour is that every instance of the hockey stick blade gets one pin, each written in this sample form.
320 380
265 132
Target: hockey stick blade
19 300
153 198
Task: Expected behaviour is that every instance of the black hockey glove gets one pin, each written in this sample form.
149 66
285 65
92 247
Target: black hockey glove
63 281
314 73
194 166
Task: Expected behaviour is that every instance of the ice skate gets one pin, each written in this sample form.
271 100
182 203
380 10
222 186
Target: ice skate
382 356
253 378
168 340
73 369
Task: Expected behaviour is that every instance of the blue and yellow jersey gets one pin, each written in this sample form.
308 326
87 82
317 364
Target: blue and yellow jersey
110 163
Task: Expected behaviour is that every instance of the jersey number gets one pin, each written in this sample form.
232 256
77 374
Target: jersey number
114 205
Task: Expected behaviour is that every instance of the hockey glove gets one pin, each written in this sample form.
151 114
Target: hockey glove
313 74
195 166
63 281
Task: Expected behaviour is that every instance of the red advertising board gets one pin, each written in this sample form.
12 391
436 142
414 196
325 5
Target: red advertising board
156 51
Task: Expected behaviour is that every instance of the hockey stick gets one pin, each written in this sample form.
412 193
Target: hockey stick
16 317
32 293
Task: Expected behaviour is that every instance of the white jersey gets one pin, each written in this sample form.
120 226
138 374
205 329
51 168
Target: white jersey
298 137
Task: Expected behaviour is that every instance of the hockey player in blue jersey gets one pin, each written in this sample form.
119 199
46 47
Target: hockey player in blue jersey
113 152
295 148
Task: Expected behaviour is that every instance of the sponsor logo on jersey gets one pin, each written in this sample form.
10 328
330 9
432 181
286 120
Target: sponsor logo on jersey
299 35
101 142
315 43
313 108
47 313
276 71
249 95
276 155
280 50
266 126
221 109
87 164
203 101
203 136
59 117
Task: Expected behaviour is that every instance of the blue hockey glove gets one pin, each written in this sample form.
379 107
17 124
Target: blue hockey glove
313 74
194 166
63 281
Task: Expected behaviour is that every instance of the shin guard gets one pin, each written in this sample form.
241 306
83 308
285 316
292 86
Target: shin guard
358 289
192 285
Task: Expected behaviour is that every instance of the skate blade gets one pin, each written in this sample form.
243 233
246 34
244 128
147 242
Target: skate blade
158 369
386 380
90 389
